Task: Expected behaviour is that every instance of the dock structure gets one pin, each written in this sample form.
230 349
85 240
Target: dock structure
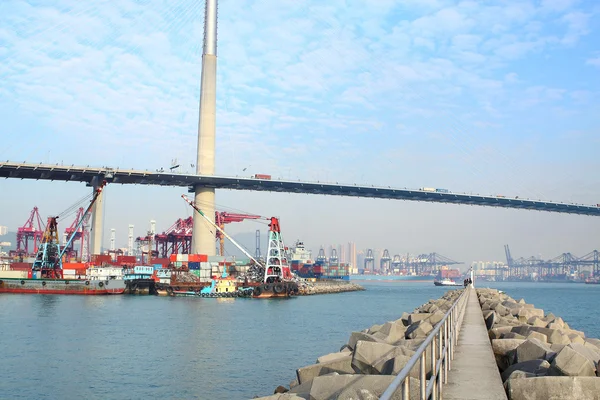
474 374
444 350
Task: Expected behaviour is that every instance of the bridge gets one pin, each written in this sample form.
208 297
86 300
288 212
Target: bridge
142 177
204 182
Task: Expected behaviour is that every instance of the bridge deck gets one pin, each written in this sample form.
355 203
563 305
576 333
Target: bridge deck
474 373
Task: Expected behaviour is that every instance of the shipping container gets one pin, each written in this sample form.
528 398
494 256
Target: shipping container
164 262
427 189
126 260
73 266
262 176
205 266
442 190
20 266
194 265
101 259
198 257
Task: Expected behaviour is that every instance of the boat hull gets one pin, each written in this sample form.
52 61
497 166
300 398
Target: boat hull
62 286
436 283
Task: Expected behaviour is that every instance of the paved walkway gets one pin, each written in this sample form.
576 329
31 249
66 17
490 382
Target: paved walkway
474 373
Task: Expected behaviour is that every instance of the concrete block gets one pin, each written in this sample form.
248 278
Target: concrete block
504 346
501 310
374 328
549 317
589 352
404 318
518 375
537 321
435 318
575 338
416 317
341 366
351 387
393 331
533 349
411 344
282 396
537 335
593 342
537 367
490 319
496 333
369 357
569 362
554 335
418 330
554 388
334 356
356 336
513 335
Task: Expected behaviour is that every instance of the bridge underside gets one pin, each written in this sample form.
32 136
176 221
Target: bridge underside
140 177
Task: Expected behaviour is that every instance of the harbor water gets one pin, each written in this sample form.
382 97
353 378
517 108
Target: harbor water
123 347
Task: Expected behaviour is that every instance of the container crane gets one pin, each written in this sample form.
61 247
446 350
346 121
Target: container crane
48 261
82 235
178 238
32 230
222 218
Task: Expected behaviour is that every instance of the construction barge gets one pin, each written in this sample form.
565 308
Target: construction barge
179 275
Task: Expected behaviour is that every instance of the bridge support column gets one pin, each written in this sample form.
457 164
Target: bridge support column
203 236
96 230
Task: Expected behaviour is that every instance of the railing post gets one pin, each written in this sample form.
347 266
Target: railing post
446 351
406 389
440 377
422 380
433 371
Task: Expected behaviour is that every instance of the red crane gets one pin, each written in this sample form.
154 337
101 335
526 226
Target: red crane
81 234
175 240
29 232
178 238
222 218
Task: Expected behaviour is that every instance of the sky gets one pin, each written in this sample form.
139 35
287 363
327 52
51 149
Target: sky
495 97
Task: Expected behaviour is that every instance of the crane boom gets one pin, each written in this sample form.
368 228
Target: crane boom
184 197
82 218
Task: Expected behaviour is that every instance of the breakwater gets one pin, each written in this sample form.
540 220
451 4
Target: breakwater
538 354
371 359
324 287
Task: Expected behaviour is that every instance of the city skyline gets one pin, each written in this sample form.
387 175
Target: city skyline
493 98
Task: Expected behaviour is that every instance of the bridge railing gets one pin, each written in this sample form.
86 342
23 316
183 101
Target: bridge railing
440 344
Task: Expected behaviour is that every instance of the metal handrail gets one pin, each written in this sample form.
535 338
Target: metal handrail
442 341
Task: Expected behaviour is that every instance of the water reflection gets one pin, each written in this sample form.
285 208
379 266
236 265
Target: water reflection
46 304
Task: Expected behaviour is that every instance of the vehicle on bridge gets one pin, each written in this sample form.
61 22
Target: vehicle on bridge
262 176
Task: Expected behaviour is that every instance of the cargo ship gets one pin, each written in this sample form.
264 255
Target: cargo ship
46 275
62 286
302 265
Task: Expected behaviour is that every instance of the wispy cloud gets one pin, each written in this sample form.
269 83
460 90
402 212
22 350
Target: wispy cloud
292 77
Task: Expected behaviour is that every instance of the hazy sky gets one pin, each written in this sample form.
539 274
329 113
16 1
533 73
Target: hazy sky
495 97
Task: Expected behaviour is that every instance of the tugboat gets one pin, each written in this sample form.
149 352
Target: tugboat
446 282
277 279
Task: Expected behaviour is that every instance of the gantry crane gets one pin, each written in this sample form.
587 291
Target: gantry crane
32 230
81 234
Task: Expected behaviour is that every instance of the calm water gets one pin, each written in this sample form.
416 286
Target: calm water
123 347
